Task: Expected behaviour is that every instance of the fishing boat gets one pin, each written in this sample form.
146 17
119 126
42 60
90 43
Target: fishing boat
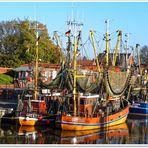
67 122
139 95
139 99
33 106
90 111
139 109
34 112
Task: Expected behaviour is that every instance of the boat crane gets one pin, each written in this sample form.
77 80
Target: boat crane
91 34
117 48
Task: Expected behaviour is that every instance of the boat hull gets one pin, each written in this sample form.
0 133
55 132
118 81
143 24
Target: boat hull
87 123
25 121
140 109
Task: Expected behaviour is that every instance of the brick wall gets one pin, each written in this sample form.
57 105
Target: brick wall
4 70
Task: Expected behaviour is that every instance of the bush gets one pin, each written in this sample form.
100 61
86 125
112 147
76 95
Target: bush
5 79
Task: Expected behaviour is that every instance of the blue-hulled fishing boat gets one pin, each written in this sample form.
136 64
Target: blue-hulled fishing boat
139 109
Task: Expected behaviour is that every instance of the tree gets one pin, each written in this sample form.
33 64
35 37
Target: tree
144 55
18 43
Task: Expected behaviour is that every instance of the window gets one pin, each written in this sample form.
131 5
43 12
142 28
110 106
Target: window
82 102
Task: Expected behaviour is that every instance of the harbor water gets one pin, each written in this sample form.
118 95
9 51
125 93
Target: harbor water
134 131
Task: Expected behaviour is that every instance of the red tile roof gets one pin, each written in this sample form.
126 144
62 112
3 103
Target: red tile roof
45 65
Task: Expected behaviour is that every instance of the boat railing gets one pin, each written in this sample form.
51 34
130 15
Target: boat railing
24 113
84 114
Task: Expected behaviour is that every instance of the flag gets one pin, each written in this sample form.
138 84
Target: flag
28 77
68 33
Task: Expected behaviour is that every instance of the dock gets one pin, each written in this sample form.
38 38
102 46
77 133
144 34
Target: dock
4 111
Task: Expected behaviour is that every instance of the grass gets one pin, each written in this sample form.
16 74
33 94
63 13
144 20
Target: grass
5 79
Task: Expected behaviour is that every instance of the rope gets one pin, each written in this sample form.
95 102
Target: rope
83 46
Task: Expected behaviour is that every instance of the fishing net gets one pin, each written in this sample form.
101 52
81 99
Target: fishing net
117 82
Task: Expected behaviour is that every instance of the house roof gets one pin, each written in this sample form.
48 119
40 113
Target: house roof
28 67
45 65
22 68
86 62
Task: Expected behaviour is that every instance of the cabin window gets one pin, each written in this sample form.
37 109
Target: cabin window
82 102
35 104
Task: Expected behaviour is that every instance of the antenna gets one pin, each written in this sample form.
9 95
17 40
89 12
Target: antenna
107 25
73 24
35 16
127 46
72 13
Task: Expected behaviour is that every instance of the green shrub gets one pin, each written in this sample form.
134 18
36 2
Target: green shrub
5 79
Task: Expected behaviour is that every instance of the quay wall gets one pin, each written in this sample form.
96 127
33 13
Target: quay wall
6 85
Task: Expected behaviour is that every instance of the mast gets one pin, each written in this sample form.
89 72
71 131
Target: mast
73 26
107 41
138 54
75 72
127 47
36 64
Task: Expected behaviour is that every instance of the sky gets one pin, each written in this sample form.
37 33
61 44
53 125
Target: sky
130 17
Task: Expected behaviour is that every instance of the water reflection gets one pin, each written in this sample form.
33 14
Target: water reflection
138 130
115 134
24 135
134 132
